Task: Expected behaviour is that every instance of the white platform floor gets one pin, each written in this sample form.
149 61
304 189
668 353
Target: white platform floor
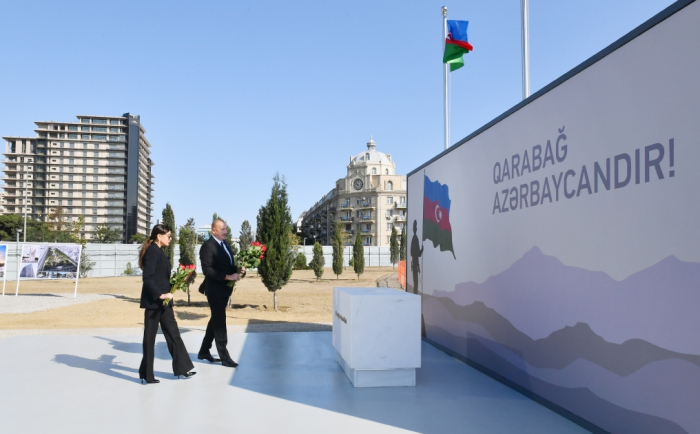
286 383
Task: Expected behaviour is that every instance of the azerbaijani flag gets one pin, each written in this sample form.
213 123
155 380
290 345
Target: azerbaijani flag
456 44
436 215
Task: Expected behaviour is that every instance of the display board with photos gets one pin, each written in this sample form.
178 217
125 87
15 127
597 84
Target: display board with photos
3 260
49 261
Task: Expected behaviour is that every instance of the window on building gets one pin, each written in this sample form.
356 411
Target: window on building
388 226
358 201
85 145
389 200
84 178
386 171
403 199
85 121
94 178
388 214
94 211
374 171
72 145
94 219
389 185
94 169
367 156
94 194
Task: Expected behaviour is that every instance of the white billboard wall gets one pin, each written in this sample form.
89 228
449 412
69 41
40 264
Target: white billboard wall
574 220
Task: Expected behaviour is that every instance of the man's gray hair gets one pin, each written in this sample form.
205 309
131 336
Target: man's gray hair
217 220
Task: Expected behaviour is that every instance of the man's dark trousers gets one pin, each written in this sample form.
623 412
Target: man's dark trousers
216 328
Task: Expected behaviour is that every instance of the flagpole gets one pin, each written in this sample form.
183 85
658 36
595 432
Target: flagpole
445 76
525 16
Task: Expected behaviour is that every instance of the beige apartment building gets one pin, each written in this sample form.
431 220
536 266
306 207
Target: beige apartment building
369 200
98 167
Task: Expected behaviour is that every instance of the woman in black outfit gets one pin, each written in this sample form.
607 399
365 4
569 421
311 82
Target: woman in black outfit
156 288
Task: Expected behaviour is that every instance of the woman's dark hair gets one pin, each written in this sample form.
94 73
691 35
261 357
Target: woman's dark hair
158 229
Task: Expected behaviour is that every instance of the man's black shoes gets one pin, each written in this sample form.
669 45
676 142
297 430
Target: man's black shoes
229 363
208 357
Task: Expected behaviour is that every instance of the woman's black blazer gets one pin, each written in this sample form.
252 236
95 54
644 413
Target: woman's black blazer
156 277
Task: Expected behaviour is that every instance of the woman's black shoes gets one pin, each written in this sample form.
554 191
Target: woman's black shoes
186 374
150 381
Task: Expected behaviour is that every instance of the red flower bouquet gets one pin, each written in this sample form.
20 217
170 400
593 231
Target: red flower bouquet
250 258
179 279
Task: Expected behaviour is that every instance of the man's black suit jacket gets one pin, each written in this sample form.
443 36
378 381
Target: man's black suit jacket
216 264
156 277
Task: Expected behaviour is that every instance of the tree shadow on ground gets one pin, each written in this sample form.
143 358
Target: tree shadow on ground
188 316
104 364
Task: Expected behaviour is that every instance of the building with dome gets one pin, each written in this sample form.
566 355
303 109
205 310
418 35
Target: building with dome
370 200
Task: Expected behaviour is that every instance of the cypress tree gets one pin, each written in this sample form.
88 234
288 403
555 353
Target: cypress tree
187 255
169 220
274 225
246 236
318 261
358 256
337 248
402 248
394 247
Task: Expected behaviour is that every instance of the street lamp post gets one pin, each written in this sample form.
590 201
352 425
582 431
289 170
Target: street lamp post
19 256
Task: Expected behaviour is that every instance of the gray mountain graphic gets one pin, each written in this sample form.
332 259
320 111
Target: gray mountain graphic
564 346
580 401
539 295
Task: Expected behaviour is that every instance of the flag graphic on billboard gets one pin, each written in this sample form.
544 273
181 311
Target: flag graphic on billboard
436 215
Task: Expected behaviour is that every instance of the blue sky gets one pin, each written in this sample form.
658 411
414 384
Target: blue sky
232 92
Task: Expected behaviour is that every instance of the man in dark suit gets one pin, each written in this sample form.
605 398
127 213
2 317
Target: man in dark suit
219 268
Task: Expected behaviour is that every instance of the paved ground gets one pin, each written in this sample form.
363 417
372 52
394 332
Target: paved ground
135 331
287 383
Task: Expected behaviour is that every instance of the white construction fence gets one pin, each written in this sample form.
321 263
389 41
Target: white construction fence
111 259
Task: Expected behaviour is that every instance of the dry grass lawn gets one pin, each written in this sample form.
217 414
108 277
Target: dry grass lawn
304 299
